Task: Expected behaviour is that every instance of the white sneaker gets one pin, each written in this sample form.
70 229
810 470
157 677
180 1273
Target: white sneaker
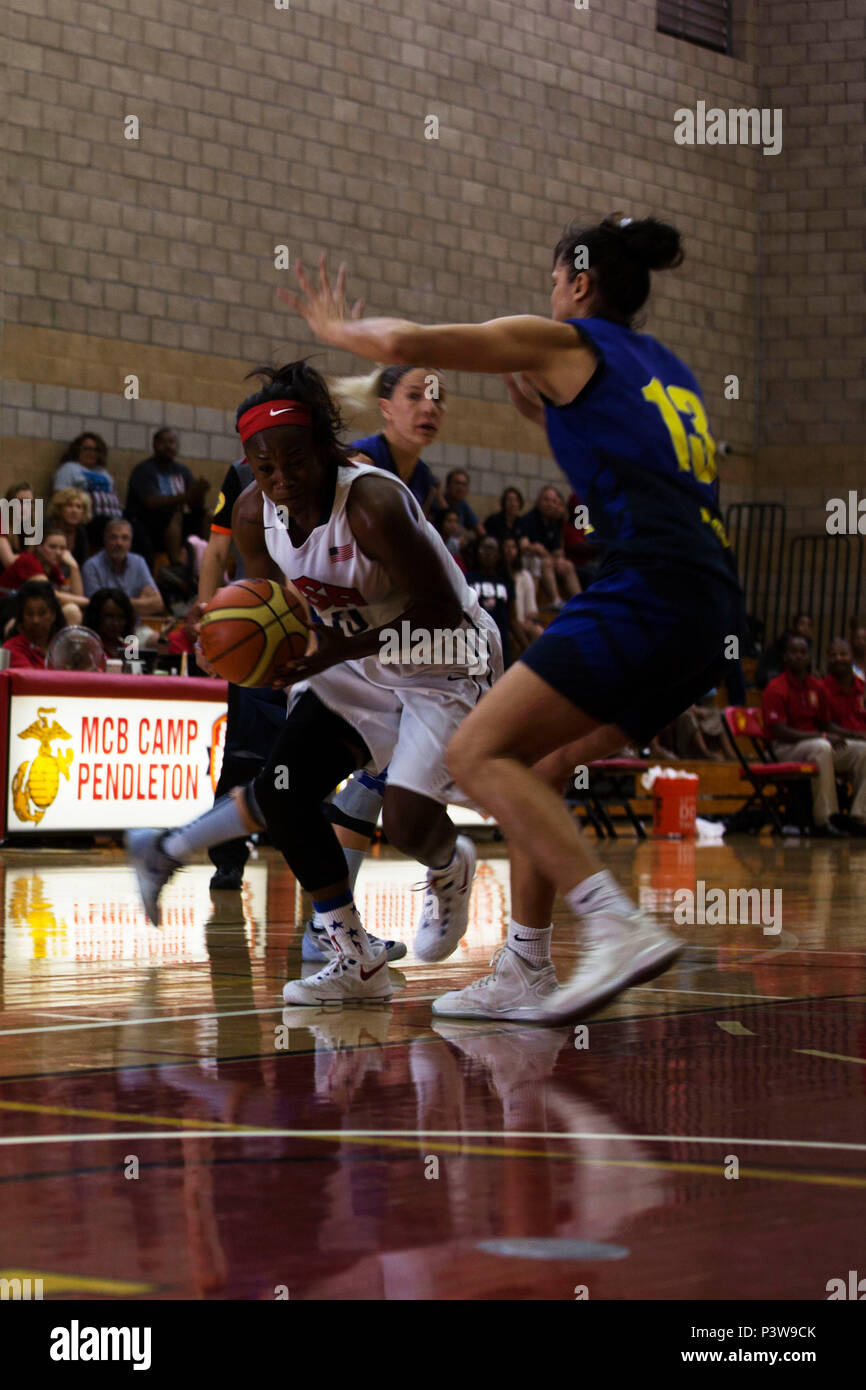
445 914
616 952
346 980
316 945
514 990
152 867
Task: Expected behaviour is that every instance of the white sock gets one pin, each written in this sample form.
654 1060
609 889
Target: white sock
224 821
530 943
600 893
339 917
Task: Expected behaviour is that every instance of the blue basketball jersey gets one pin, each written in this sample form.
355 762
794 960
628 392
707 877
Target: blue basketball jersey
636 447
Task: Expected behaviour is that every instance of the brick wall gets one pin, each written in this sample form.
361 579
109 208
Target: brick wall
812 398
306 127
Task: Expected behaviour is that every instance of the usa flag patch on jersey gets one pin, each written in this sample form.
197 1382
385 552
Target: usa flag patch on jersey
341 552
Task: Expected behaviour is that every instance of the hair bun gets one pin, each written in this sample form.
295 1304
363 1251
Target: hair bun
657 245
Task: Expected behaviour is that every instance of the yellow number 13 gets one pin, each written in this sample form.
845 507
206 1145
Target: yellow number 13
696 450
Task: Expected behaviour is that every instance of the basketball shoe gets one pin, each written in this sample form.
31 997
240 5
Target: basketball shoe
345 980
616 953
153 867
513 991
316 945
445 914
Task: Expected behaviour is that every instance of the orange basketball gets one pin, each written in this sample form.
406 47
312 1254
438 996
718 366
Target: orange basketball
252 626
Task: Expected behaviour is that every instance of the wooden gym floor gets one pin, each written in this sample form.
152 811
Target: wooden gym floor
165 1133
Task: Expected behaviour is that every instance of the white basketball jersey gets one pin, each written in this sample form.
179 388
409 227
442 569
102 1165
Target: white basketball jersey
353 593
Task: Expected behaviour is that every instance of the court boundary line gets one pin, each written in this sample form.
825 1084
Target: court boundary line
375 1135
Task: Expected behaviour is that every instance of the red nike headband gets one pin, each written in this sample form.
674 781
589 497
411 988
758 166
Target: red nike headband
270 414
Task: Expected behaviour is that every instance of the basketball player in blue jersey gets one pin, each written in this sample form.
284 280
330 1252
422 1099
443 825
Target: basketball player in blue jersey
626 422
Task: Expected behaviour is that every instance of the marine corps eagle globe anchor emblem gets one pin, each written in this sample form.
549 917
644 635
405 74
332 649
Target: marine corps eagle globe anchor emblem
33 794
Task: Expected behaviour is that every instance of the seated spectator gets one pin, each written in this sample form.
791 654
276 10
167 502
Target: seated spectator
116 566
49 560
857 640
543 528
495 590
111 616
12 538
38 616
164 502
798 719
412 422
447 523
772 661
845 692
700 732
507 523
527 624
454 496
70 510
85 466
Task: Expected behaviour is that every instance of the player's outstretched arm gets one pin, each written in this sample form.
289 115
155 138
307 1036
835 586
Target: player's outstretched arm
523 343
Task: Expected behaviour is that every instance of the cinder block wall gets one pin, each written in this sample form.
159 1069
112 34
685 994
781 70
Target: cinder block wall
306 127
812 199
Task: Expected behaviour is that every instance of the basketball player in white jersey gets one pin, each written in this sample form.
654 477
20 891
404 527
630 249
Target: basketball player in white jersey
353 541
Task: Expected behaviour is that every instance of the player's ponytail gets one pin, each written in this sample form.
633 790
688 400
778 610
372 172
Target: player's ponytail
365 392
619 254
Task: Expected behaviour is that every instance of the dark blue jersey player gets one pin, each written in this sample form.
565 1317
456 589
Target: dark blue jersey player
627 424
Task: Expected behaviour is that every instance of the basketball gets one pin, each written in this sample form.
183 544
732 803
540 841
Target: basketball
250 627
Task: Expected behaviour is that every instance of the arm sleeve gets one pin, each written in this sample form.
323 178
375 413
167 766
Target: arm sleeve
89 580
69 474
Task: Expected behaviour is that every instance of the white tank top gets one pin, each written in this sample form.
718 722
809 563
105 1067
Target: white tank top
353 593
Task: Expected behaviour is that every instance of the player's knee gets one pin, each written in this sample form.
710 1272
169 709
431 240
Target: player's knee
403 828
461 756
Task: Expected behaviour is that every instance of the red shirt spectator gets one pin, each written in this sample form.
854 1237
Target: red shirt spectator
802 704
29 566
846 698
22 653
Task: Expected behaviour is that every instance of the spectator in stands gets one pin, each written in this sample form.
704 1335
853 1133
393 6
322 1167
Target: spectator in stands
798 720
772 661
447 523
527 624
543 528
495 590
164 502
116 566
507 523
857 639
413 419
111 616
454 496
70 510
38 616
85 466
12 539
49 560
845 692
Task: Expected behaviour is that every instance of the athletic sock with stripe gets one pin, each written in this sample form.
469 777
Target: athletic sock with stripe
530 943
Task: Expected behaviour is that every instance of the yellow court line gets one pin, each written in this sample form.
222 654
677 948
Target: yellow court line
121 1115
60 1283
777 1174
833 1056
440 1146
